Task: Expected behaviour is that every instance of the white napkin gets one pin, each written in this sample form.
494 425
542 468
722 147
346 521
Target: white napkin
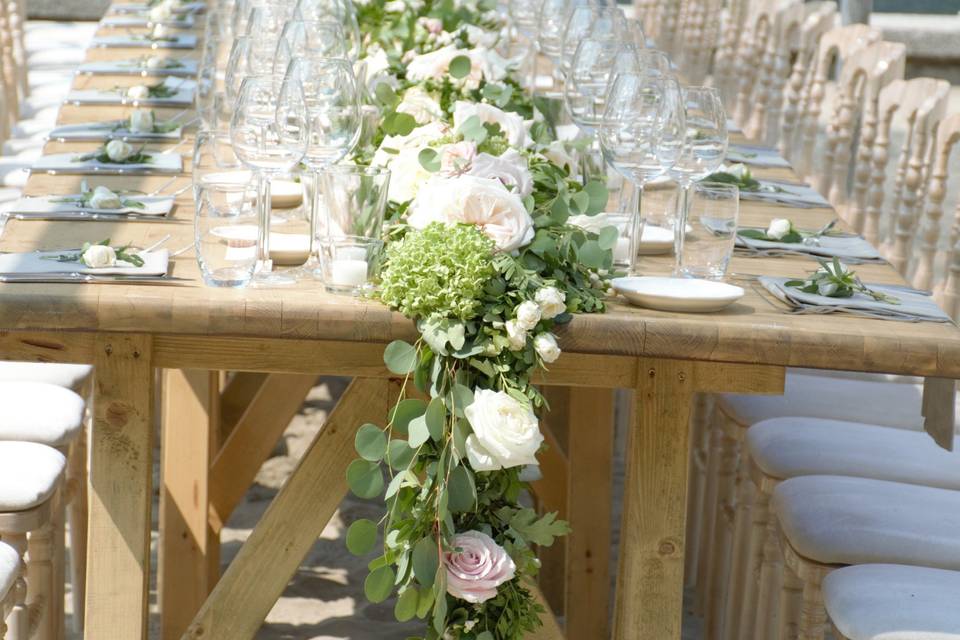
65 163
137 7
791 195
183 41
851 247
184 87
756 156
105 131
155 263
152 205
135 66
180 22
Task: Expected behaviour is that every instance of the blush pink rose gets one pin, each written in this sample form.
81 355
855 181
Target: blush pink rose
476 567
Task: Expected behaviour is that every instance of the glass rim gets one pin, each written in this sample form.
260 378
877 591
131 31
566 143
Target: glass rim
712 185
356 169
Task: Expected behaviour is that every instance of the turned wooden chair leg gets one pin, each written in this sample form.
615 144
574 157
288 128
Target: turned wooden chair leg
18 621
77 516
753 563
766 623
740 566
791 595
723 529
700 428
708 519
40 577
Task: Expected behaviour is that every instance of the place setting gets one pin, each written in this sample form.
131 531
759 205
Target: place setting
116 157
142 125
164 16
94 203
177 7
159 37
147 65
169 92
788 194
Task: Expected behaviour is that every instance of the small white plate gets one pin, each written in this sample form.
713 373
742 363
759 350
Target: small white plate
677 294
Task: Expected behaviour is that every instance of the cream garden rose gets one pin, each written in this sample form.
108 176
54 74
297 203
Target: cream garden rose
421 105
118 150
510 169
104 198
552 302
457 158
99 256
528 314
476 566
141 121
546 347
471 200
400 154
506 432
516 334
510 123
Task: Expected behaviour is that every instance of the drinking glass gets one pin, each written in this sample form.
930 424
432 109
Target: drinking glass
339 11
225 229
264 29
270 138
327 89
694 147
638 108
706 250
353 200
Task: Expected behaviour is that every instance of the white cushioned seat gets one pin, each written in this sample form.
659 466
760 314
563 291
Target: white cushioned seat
893 602
792 446
29 474
39 412
70 376
845 520
873 401
9 563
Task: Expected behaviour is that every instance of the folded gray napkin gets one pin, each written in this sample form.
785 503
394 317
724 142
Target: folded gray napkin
845 247
755 156
791 195
913 307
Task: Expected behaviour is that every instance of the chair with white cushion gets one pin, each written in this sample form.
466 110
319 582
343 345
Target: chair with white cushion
830 521
893 602
13 591
31 478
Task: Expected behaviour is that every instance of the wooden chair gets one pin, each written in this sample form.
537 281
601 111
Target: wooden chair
13 591
8 73
725 60
833 50
699 33
863 76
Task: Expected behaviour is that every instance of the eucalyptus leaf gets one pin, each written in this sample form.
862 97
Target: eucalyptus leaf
429 159
406 607
435 418
361 537
399 454
371 443
608 238
400 357
462 490
365 478
405 411
460 67
426 560
419 433
598 193
379 584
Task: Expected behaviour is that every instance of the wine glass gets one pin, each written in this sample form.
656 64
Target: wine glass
587 80
584 20
271 141
694 147
313 38
638 108
264 28
237 68
340 11
328 90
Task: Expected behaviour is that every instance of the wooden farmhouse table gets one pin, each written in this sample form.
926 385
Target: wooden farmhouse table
215 436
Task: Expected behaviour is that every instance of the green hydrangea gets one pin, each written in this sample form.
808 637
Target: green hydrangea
438 272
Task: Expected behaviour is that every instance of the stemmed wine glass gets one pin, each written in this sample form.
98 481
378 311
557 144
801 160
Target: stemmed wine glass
694 150
339 11
639 107
328 90
271 139
584 20
311 38
237 68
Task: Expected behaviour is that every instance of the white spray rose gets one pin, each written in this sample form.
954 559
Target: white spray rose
436 65
394 6
516 334
98 256
480 201
155 62
779 227
159 31
511 169
510 123
546 347
479 37
377 65
118 150
557 154
528 314
160 12
138 92
421 105
552 302
141 121
104 198
506 432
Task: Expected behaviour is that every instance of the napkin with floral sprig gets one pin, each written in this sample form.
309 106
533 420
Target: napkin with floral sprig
782 235
141 124
150 40
116 156
154 65
100 258
792 195
169 92
756 156
835 288
99 199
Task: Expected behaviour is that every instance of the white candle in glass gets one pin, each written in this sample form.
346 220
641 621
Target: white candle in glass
621 252
348 272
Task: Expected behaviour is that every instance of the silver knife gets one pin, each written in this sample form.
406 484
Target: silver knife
87 278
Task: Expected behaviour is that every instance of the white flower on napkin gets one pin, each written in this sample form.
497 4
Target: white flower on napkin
118 150
104 198
160 12
138 92
779 228
546 347
159 31
141 121
98 256
155 62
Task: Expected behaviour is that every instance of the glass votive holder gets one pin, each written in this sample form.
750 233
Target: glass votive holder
349 263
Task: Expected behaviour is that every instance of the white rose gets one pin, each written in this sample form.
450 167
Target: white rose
160 31
103 198
552 302
118 150
98 256
511 124
739 171
394 6
400 154
155 62
377 64
141 121
457 158
505 432
470 200
779 227
516 334
510 168
138 92
160 12
593 224
479 37
557 154
827 288
546 347
421 105
435 64
528 314
492 65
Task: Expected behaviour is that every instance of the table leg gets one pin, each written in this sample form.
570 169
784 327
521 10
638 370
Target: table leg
189 545
118 549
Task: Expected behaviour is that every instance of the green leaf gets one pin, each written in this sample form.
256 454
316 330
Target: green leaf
406 606
597 191
461 430
581 201
405 411
540 531
472 129
403 123
753 234
379 584
440 604
400 357
462 397
365 478
460 67
425 602
426 560
399 454
419 433
435 417
592 255
463 492
608 238
385 94
361 537
429 159
485 635
370 442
